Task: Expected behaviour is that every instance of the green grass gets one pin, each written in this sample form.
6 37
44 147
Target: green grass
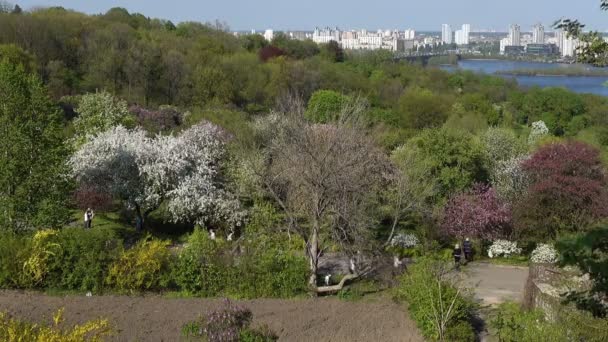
509 261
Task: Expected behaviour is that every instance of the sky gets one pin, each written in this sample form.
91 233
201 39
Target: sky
352 14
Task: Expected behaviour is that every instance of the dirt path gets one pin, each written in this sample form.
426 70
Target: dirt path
153 318
495 284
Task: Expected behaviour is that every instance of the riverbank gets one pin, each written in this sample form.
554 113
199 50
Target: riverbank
564 72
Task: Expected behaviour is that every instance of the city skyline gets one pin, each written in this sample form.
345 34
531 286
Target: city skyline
243 15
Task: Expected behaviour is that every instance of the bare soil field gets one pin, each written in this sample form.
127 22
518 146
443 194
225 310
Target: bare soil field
155 318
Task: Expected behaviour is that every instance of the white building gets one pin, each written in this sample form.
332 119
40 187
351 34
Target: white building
515 35
446 34
504 43
559 39
462 35
538 34
409 34
268 35
569 46
326 35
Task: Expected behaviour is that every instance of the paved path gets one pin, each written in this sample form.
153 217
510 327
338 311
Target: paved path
495 284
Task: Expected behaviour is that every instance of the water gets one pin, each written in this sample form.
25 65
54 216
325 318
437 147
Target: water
579 84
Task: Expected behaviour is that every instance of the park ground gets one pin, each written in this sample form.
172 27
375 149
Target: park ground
156 318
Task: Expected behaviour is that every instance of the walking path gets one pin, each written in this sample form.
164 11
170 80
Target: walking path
492 285
495 284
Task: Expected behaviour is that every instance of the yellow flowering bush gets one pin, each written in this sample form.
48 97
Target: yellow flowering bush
13 330
36 267
144 267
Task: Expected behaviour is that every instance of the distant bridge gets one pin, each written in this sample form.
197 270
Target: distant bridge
422 58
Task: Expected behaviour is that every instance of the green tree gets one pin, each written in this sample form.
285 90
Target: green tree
99 112
420 108
16 55
32 153
325 105
455 159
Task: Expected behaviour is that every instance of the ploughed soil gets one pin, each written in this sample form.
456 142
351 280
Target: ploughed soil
155 318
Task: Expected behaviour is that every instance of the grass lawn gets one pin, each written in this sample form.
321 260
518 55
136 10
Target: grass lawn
509 261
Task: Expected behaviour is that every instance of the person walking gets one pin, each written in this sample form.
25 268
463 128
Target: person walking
468 250
457 253
88 218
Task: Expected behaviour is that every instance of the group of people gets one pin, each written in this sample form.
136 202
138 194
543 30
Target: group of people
467 250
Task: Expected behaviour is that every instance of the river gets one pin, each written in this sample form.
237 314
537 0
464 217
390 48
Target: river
579 84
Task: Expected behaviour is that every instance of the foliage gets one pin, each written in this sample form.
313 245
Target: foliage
14 251
143 267
510 323
455 159
513 324
269 268
544 254
589 252
230 323
477 213
13 330
199 268
567 191
44 247
437 304
420 108
32 154
98 113
84 259
503 248
324 106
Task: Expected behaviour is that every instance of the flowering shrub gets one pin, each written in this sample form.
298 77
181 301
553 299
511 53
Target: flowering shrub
567 191
227 324
143 267
12 329
476 213
544 254
539 130
503 248
404 241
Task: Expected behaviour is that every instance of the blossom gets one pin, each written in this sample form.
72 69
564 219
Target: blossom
503 248
544 254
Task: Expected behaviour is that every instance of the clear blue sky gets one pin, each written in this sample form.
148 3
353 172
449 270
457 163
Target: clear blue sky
371 14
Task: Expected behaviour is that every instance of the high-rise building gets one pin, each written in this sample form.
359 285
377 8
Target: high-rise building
538 34
466 29
570 44
515 35
409 34
462 35
559 39
446 34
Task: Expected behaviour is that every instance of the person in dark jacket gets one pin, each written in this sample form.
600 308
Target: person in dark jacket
468 250
457 253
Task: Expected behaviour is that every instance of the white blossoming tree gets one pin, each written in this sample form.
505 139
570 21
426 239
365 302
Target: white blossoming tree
184 172
539 131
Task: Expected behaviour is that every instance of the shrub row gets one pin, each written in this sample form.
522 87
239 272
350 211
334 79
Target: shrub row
95 260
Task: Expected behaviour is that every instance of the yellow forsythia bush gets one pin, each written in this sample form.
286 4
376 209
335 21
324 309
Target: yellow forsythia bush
12 330
43 247
146 266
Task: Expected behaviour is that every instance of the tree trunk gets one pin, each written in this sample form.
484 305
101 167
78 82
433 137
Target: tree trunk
313 255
